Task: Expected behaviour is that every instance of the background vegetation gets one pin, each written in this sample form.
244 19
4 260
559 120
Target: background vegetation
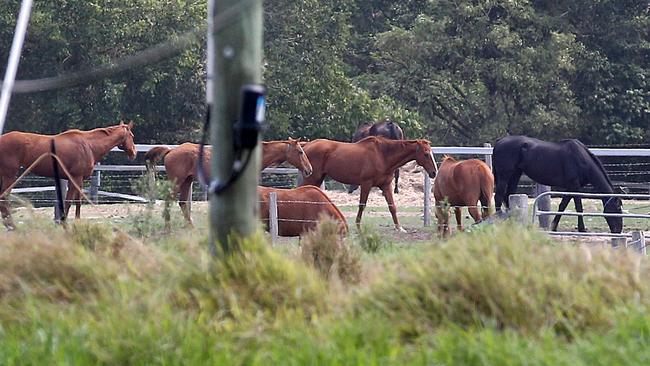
457 72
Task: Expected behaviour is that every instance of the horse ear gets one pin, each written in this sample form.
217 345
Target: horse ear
130 125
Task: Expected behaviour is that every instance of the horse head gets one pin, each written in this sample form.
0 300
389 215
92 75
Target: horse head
424 157
296 156
613 205
127 145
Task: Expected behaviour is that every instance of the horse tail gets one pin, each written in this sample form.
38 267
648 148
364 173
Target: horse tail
487 187
154 155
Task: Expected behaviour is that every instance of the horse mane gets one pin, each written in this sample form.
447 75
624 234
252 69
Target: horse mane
448 158
596 161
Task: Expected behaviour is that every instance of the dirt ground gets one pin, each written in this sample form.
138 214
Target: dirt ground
410 198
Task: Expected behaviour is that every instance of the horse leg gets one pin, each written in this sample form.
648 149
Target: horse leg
475 213
443 219
581 222
365 191
388 195
5 210
69 198
485 206
500 192
512 186
185 194
77 200
459 218
396 181
556 220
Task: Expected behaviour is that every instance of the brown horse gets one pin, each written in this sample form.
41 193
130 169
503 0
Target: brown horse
387 129
368 163
181 163
462 183
78 150
299 209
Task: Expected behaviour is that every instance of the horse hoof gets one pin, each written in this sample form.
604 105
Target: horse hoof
400 229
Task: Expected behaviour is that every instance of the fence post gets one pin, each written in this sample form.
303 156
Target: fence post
299 179
544 204
427 199
273 215
519 208
488 157
638 241
95 182
64 192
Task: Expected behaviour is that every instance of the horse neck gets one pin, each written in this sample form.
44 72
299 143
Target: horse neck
273 152
101 141
398 153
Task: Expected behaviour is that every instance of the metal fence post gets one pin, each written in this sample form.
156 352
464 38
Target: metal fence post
488 157
299 179
427 199
638 241
95 182
519 208
189 198
64 192
273 215
544 204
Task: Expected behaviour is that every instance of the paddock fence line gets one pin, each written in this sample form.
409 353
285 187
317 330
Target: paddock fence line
637 237
485 151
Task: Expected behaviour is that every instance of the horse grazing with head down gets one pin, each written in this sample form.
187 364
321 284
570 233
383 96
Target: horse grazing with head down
567 164
78 150
387 129
181 164
299 209
462 183
368 163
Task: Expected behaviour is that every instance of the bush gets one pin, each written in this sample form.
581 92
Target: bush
253 282
370 240
509 277
325 250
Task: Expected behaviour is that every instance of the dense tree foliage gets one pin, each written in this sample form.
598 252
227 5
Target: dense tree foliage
458 72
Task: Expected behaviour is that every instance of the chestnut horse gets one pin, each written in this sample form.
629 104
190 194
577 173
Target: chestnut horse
387 129
78 150
368 163
299 209
181 164
462 183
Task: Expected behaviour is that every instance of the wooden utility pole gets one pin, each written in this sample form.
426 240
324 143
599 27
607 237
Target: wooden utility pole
234 59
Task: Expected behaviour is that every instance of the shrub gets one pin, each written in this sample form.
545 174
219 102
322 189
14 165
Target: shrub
508 277
370 240
325 249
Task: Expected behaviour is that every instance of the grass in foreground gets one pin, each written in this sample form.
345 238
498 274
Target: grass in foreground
498 296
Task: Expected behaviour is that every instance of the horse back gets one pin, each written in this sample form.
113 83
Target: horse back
463 182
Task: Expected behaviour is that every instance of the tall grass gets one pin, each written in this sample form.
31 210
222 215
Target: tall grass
501 296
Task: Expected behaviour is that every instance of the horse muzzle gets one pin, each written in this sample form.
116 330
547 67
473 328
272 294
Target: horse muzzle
432 174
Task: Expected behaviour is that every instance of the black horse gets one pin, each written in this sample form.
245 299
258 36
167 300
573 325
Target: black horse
387 129
567 164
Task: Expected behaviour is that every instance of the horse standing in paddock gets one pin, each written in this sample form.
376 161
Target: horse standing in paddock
567 164
78 150
181 163
299 209
462 183
389 130
368 163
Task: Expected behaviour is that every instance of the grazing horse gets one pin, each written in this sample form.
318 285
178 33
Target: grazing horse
78 150
389 130
462 183
567 164
181 163
299 209
368 163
